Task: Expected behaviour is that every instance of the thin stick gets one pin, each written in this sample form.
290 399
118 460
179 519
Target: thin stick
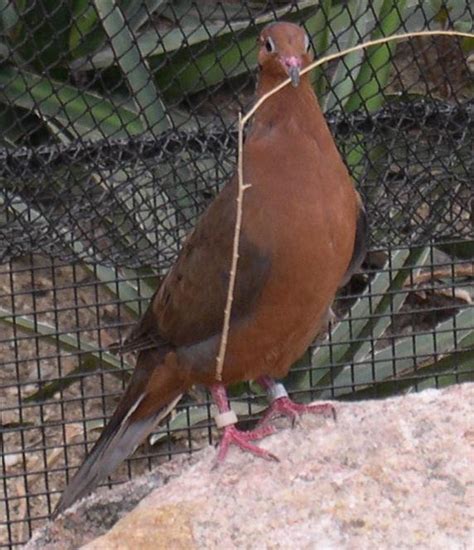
235 254
332 56
458 272
240 172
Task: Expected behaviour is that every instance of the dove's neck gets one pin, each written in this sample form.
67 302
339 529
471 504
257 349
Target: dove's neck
290 109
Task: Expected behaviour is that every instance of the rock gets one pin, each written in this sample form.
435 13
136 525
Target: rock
390 474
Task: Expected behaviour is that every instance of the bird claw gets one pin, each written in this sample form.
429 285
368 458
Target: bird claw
233 436
284 406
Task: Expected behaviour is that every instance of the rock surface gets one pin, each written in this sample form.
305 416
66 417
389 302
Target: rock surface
396 473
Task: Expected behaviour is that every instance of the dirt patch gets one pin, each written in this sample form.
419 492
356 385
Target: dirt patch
40 438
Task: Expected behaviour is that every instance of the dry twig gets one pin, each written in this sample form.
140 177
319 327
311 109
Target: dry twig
459 271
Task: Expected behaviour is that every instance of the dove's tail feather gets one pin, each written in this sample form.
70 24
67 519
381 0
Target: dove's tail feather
143 405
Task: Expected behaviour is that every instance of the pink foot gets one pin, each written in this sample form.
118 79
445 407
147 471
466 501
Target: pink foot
226 420
284 406
233 436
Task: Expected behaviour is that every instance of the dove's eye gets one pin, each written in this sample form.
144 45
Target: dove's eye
269 45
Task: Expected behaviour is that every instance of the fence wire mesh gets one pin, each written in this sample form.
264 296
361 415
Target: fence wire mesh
118 128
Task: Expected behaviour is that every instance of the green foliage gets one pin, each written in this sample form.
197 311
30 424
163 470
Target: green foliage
374 73
148 64
134 67
84 114
47 46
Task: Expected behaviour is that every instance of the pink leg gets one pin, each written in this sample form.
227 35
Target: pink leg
226 419
282 405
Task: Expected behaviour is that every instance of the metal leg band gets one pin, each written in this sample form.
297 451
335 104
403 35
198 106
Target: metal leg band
225 419
276 392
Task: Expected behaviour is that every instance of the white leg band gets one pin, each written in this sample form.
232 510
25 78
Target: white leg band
225 419
276 392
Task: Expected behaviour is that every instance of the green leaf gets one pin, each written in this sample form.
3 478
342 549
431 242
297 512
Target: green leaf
133 215
121 289
350 328
8 16
219 43
138 12
368 319
88 365
375 71
405 355
203 55
372 319
454 368
40 36
147 280
134 67
354 151
220 51
88 115
318 29
416 356
392 303
350 23
87 35
68 342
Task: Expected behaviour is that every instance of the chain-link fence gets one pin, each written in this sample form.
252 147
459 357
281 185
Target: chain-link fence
118 128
